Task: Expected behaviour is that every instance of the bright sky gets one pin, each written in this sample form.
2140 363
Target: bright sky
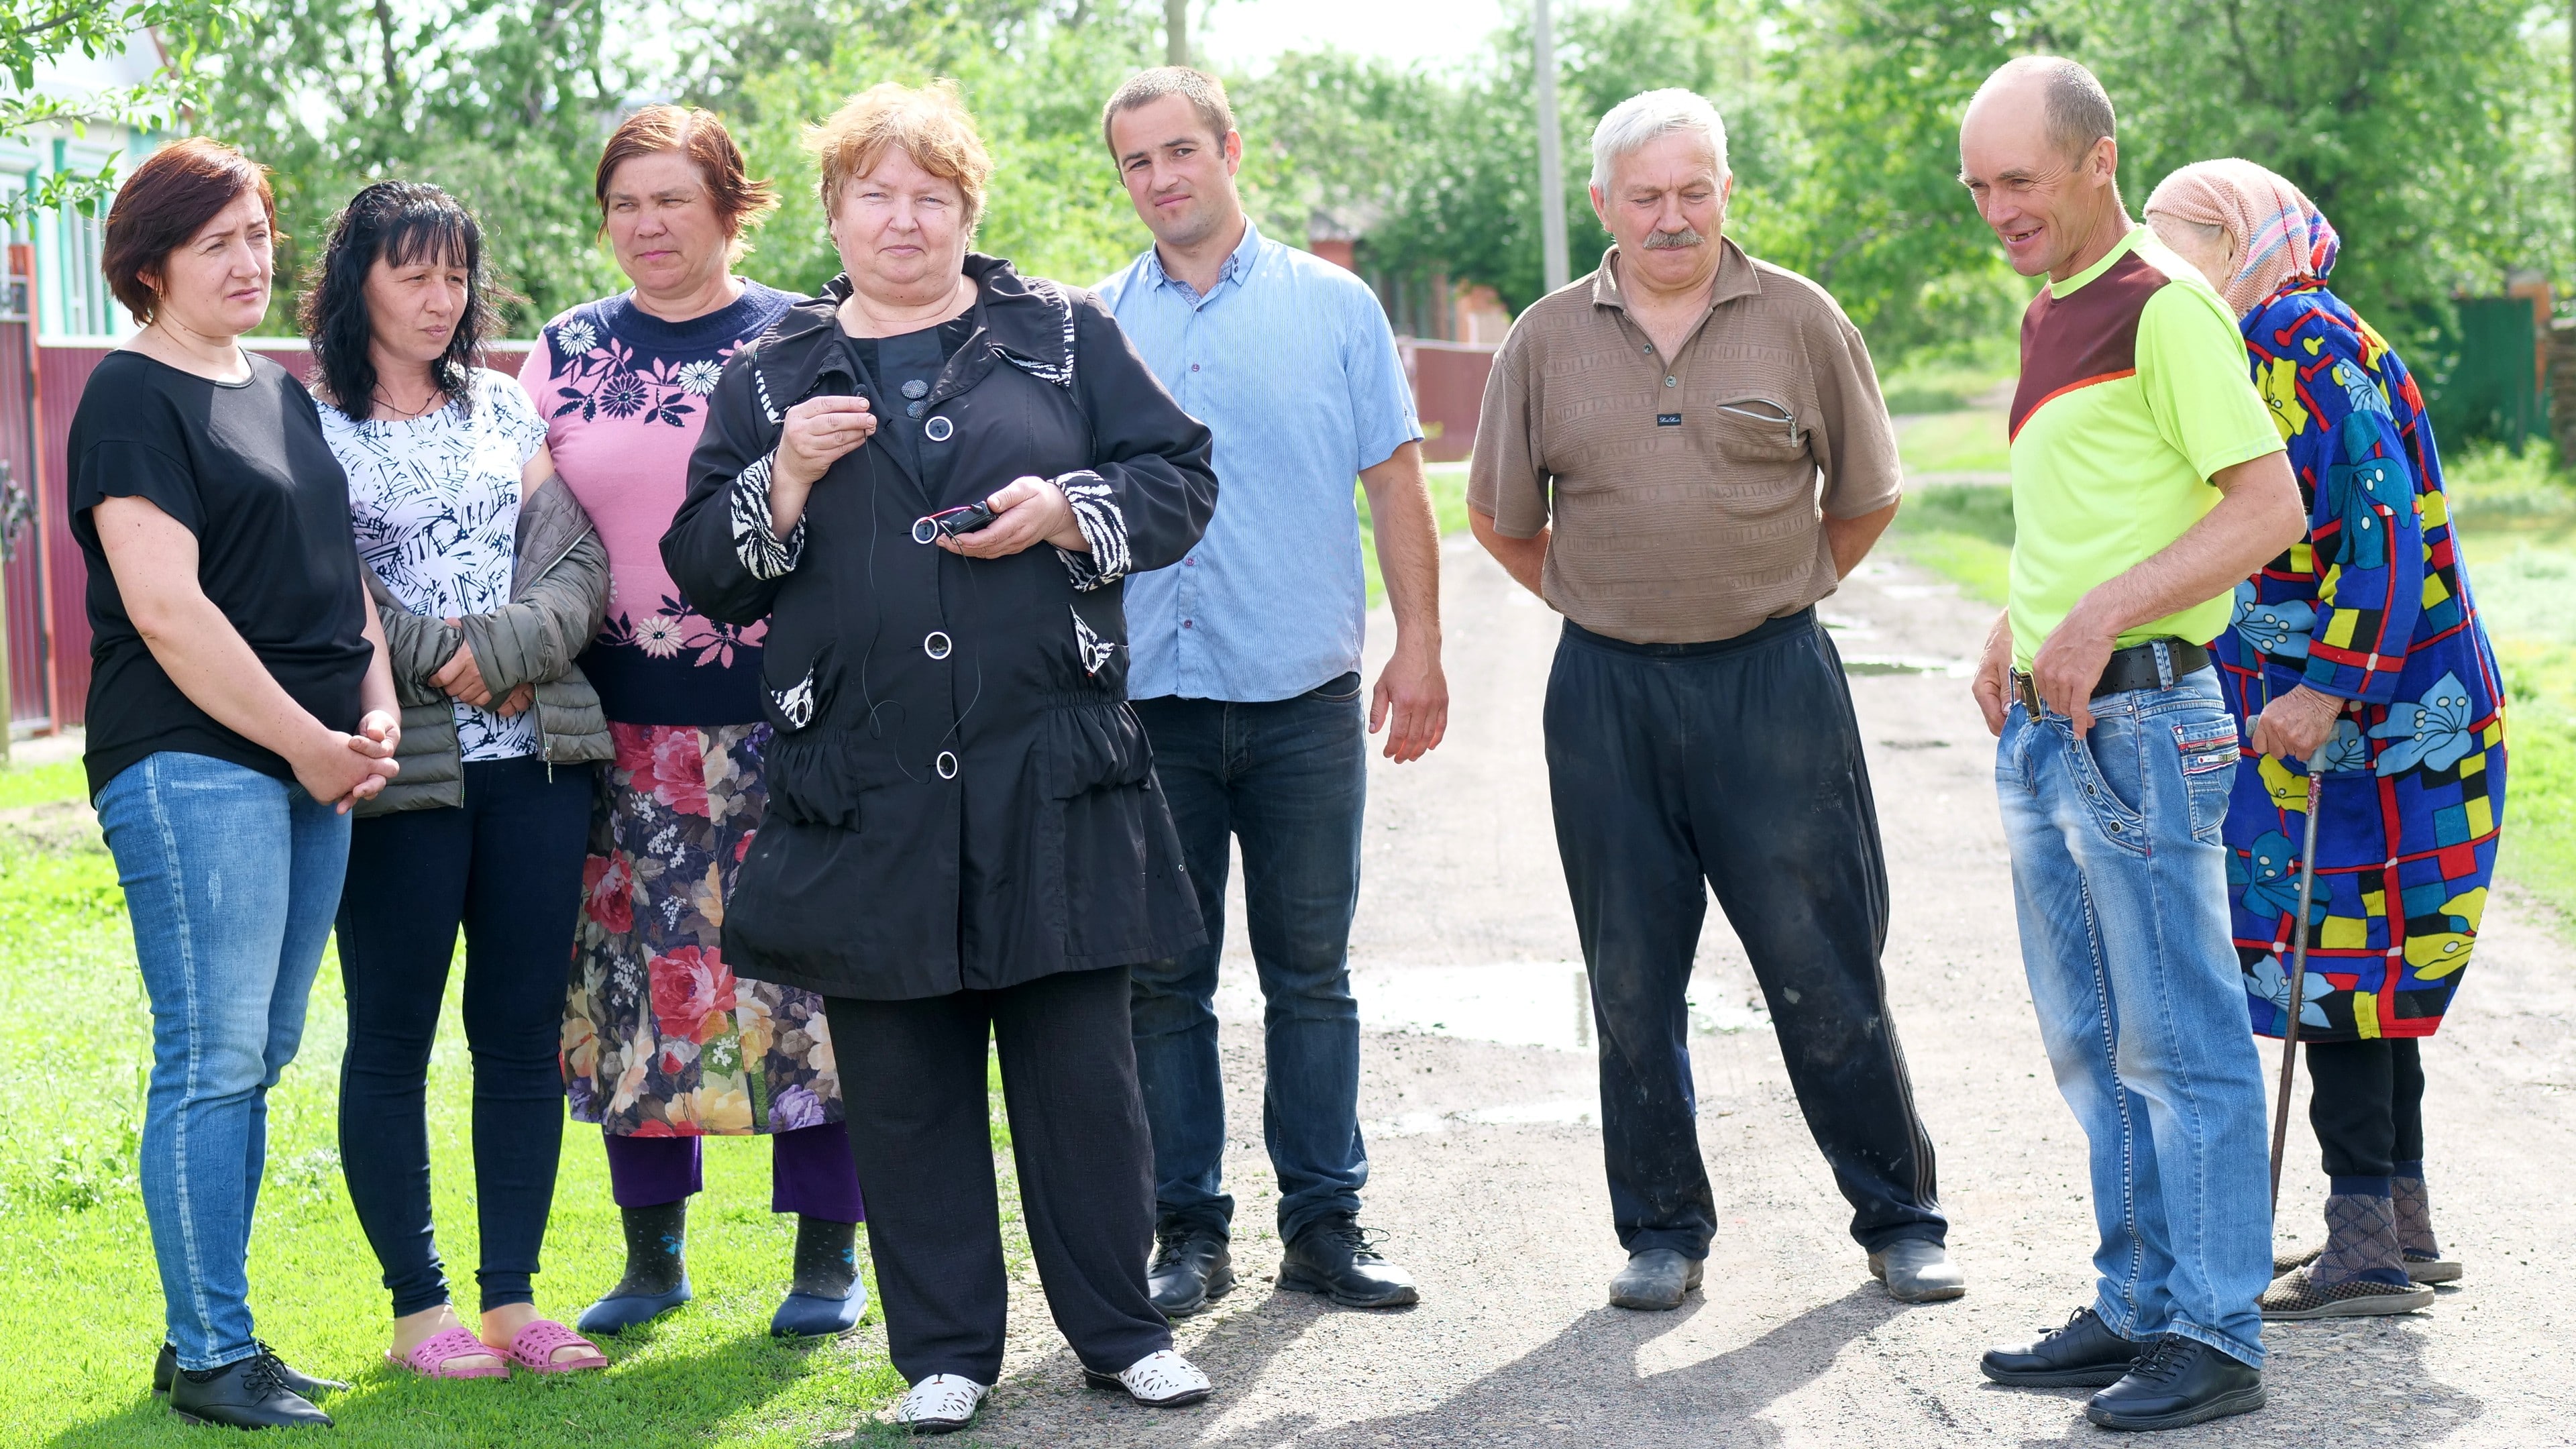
1249 33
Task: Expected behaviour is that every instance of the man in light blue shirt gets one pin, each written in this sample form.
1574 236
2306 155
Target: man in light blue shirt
1246 672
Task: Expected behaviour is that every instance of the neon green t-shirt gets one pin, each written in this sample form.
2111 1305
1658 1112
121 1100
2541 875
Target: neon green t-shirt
2134 392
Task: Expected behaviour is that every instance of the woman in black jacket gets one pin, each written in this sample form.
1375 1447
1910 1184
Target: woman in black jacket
965 837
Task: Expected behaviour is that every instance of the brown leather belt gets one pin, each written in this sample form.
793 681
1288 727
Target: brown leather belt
2130 668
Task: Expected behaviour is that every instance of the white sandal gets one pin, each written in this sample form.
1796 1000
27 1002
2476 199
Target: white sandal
1160 1380
941 1404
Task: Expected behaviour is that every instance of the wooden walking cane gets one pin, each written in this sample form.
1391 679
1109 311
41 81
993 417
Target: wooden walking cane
2298 980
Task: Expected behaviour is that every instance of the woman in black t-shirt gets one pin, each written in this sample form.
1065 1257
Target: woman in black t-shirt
240 703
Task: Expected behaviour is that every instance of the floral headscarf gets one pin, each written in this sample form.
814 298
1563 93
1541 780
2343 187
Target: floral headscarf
2277 232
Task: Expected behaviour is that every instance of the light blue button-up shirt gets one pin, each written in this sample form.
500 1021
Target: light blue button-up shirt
1290 363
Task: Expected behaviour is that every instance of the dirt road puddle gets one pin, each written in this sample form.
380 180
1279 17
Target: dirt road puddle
1513 1003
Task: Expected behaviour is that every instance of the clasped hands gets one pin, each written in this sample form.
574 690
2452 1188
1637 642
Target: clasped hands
821 430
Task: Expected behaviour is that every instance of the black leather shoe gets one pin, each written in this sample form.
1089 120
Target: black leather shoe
2179 1381
1192 1269
2083 1354
251 1394
1335 1256
165 1367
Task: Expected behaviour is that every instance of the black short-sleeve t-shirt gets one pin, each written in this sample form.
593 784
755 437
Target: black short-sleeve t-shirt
244 467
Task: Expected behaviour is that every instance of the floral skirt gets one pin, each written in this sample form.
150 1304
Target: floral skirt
659 1038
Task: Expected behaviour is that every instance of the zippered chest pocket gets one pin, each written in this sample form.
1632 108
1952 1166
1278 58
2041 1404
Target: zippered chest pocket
1757 429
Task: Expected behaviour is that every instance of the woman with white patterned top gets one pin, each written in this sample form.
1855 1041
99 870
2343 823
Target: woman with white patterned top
487 581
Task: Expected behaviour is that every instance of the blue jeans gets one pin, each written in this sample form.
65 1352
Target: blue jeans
2121 883
231 878
1287 779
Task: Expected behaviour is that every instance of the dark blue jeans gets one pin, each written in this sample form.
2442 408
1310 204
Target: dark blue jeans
1735 766
505 867
1287 780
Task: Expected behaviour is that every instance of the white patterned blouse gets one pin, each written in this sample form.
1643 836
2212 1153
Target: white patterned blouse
435 503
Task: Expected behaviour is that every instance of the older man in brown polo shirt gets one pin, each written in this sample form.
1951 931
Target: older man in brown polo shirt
1682 453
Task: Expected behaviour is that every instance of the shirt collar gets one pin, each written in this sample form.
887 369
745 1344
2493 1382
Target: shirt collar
1735 277
1238 264
2127 243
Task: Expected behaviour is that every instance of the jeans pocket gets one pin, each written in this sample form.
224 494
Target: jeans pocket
2209 751
2105 765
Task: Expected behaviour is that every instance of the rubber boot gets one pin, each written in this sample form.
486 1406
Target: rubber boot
825 1298
657 1271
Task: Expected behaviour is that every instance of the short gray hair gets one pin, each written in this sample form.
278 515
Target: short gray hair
2074 108
1634 122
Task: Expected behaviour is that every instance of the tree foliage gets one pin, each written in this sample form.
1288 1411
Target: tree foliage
2432 131
36 34
503 102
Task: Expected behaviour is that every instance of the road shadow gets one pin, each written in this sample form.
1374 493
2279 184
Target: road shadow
1045 1403
2334 1380
1583 1386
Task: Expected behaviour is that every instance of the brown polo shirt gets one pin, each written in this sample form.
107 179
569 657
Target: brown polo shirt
1688 494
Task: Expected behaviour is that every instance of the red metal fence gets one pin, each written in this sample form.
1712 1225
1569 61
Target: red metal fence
48 634
1448 390
46 583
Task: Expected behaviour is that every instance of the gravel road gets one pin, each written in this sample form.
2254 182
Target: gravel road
1479 1095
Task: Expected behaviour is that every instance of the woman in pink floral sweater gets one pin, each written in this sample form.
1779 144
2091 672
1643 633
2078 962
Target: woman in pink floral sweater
661 1045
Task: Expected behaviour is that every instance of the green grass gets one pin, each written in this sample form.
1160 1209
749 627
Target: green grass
1448 509
2517 530
38 784
1963 531
2516 523
83 1317
1937 382
1968 441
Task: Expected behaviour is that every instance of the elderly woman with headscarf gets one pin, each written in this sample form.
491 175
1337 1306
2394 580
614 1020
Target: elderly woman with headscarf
2357 654
931 480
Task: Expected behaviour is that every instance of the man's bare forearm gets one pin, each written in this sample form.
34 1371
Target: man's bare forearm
1408 544
1525 559
2258 516
1851 539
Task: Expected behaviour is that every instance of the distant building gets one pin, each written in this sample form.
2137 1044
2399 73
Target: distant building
1447 332
53 258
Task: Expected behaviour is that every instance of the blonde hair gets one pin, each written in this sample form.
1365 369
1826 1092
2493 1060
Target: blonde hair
929 122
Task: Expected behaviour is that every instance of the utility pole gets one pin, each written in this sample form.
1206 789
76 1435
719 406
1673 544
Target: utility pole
1176 32
1551 166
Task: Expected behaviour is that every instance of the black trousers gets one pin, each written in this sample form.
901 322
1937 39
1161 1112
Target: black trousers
1735 766
2366 1104
913 1080
506 866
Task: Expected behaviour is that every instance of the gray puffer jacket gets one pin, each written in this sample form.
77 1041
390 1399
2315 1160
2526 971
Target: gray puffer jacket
558 594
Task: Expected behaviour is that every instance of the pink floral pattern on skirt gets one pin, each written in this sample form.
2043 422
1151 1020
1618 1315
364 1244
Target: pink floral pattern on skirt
660 1039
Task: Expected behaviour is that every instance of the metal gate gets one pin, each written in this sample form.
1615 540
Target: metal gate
23 594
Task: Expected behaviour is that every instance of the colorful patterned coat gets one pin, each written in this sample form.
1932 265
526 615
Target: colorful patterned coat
2413 779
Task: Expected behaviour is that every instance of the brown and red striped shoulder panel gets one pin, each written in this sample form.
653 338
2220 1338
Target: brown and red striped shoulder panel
2084 339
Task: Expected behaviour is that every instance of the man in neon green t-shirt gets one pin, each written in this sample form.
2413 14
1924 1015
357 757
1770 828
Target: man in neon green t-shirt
2147 480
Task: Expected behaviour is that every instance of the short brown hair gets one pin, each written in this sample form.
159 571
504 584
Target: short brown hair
1205 93
176 191
931 124
697 134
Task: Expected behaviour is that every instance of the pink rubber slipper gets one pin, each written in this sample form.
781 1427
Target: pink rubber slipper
533 1348
431 1356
